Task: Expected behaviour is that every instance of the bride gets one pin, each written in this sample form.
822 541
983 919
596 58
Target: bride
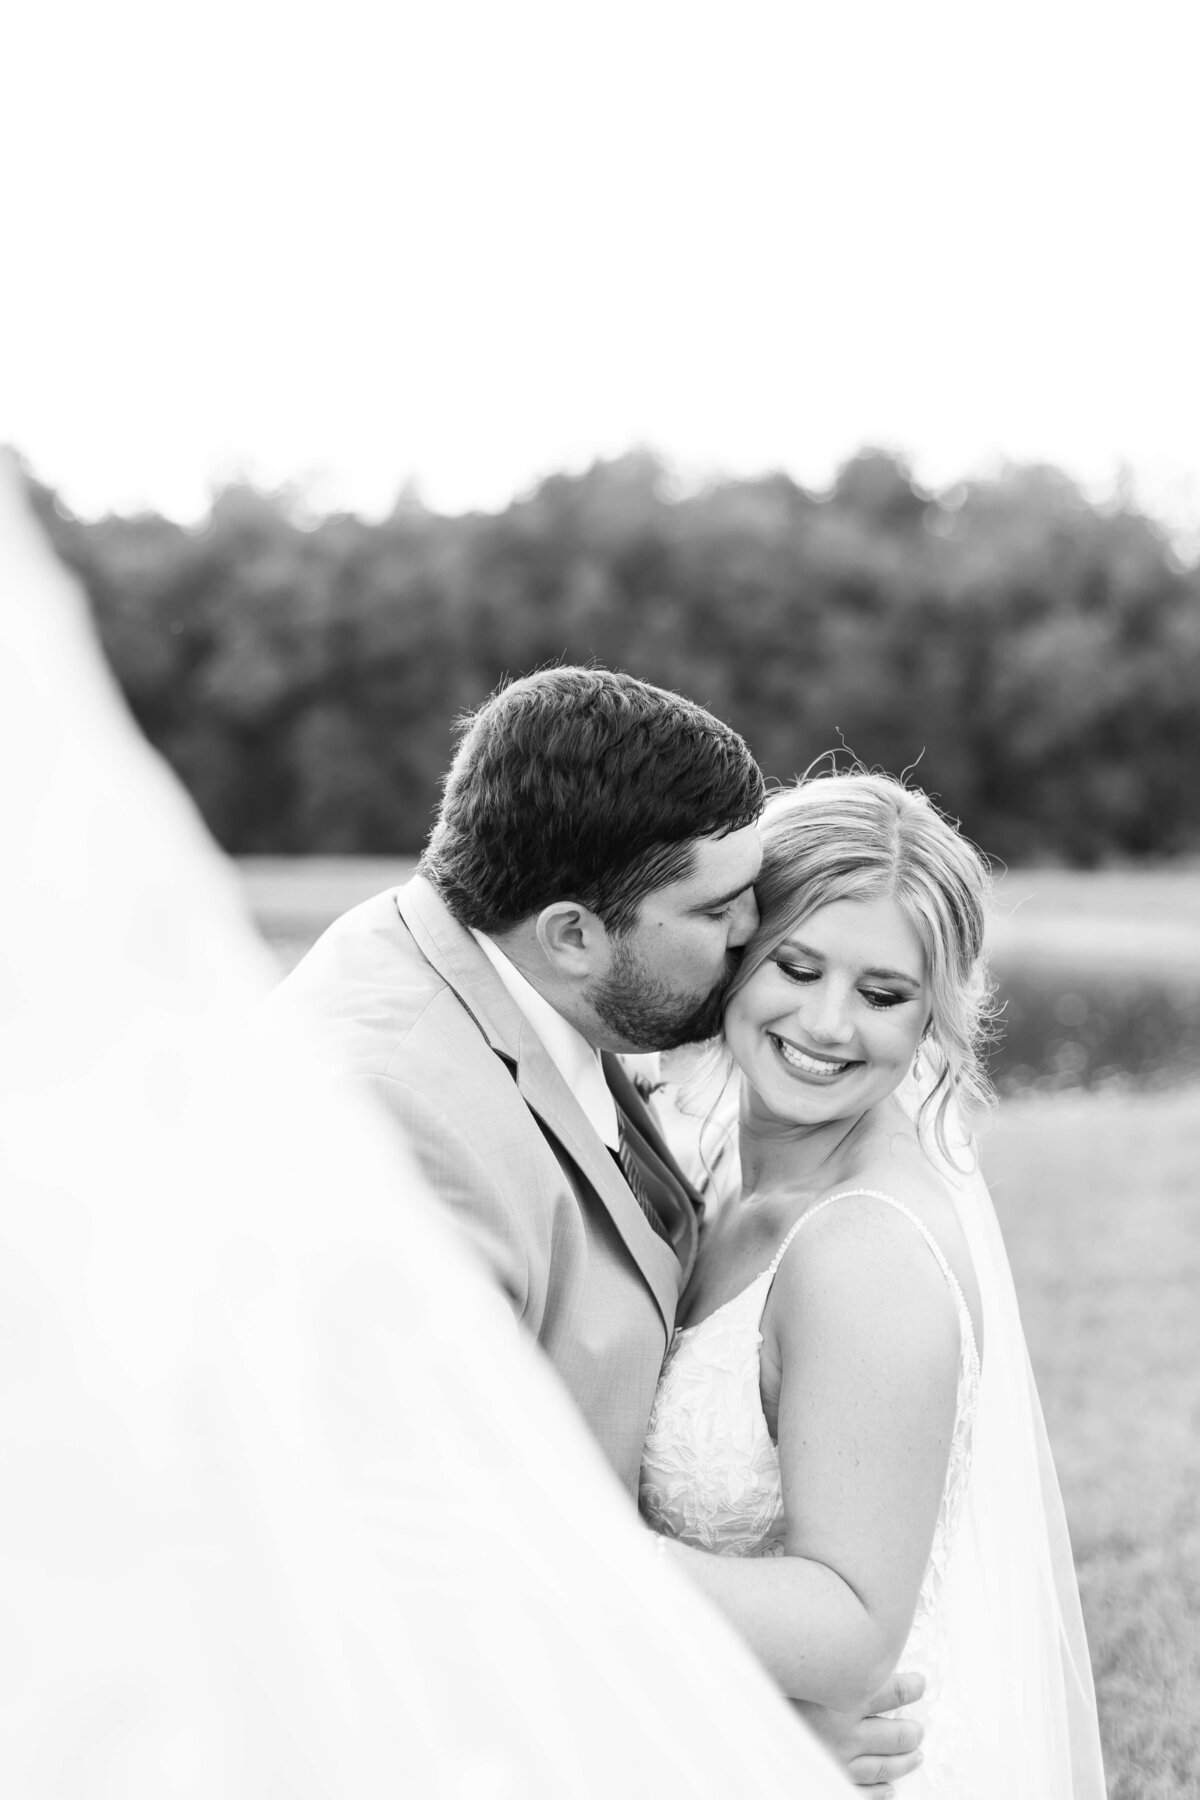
848 1398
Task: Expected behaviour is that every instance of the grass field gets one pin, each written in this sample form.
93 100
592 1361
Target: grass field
1099 1194
1149 918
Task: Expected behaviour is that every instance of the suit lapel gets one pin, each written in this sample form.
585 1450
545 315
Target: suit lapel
547 1095
452 951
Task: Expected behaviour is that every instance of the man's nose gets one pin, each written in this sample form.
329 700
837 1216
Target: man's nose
744 922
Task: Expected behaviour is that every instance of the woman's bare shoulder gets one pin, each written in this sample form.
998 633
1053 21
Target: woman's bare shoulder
861 1236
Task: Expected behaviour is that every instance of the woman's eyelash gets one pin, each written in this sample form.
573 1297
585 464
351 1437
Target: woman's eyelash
721 913
882 999
795 973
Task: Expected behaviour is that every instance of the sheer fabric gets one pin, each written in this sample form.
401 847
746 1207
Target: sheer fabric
1022 1680
287 1508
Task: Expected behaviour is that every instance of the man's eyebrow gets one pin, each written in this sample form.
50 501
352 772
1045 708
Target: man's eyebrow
722 899
871 974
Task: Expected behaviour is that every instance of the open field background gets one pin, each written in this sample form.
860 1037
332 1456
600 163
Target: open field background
1147 917
1099 1194
1099 974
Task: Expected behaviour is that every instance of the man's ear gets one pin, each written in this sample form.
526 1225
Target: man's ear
572 939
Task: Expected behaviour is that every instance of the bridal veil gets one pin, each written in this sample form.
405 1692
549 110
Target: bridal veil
287 1508
1019 1679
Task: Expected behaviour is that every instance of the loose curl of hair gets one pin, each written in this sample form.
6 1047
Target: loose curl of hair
861 835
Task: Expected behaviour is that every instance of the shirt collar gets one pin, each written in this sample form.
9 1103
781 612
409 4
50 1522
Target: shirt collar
577 1061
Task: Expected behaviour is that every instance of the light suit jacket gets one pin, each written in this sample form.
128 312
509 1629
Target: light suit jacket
411 1004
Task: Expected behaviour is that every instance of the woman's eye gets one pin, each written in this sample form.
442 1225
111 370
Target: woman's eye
795 972
721 915
882 997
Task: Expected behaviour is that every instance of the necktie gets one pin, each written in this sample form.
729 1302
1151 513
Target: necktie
633 1175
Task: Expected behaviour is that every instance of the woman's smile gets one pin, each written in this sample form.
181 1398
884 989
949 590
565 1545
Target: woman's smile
807 1062
830 1022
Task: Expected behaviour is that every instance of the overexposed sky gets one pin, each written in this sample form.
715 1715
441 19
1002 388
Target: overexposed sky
473 241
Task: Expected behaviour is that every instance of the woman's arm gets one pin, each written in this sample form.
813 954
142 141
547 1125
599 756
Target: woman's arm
862 1331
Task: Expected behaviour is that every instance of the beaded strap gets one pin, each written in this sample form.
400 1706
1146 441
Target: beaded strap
890 1200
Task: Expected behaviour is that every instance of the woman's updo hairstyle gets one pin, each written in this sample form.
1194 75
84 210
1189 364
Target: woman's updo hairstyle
862 836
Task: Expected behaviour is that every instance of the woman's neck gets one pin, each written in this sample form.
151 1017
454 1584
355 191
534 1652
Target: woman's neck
778 1157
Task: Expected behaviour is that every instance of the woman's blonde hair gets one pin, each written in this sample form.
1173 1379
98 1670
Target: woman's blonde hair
857 835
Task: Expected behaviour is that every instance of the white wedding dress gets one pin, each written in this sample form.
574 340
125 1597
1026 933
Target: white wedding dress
710 1470
1009 1708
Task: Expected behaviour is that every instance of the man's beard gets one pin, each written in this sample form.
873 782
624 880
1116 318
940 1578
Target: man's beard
646 1015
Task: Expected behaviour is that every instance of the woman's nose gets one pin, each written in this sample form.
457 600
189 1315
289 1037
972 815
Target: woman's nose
827 1012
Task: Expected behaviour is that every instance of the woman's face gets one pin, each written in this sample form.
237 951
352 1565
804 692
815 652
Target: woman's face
829 1024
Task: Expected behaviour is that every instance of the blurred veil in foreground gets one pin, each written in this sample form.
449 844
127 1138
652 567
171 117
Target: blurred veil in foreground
287 1508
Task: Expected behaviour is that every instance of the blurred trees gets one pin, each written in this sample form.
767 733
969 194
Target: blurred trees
1038 655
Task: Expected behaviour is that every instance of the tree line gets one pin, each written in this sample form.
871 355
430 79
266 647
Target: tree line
1035 655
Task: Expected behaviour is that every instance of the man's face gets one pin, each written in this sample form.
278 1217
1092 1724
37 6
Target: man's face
668 973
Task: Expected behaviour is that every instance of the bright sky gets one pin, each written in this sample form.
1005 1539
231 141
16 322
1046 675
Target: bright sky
473 241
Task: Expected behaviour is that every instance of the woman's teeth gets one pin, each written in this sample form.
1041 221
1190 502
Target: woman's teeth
809 1065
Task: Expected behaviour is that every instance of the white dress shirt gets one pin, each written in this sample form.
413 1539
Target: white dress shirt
577 1061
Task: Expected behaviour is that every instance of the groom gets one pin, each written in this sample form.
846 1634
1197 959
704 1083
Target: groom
586 891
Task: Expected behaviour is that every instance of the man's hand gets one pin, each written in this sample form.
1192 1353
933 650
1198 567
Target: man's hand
876 1751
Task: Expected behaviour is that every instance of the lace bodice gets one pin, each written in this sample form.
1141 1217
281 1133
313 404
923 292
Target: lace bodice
710 1470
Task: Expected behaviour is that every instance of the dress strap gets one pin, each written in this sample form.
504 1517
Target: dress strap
952 1280
778 1256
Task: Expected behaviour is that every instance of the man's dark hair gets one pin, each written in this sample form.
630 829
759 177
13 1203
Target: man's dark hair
582 784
